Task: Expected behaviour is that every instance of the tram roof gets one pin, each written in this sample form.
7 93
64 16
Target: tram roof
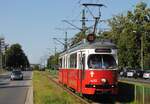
86 45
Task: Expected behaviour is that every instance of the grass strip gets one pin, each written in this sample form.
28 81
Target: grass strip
47 92
136 83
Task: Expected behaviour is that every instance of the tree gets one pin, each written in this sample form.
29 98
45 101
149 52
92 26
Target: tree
15 57
53 61
131 33
78 37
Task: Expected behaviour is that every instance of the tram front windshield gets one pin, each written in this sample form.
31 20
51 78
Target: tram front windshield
101 61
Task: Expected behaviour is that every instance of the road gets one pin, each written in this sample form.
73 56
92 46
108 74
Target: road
14 92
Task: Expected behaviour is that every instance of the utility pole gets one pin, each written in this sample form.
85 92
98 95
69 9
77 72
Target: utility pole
2 47
66 41
97 18
65 44
83 22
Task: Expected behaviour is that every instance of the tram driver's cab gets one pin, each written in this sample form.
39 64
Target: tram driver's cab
101 61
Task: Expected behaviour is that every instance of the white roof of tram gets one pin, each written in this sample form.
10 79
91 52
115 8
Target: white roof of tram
86 45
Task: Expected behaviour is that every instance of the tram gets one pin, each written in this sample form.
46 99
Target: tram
90 68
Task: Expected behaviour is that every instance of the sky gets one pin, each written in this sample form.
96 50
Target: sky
34 23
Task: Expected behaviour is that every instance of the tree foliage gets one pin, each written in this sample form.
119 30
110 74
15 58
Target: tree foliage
15 57
129 32
53 61
78 37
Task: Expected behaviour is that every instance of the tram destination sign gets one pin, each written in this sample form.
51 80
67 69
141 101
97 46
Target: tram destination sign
102 50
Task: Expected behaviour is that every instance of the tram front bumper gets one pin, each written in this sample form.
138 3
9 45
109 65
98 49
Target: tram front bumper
100 89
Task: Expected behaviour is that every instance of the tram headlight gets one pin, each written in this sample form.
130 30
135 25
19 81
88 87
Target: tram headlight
92 74
94 86
103 80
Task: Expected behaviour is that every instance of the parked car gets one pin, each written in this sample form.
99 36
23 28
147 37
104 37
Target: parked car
16 75
139 73
132 74
146 74
123 73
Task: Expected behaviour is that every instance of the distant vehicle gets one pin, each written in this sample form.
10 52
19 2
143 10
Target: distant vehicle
27 69
16 75
146 74
139 73
123 73
132 74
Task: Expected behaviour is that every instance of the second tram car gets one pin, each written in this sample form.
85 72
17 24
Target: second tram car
90 68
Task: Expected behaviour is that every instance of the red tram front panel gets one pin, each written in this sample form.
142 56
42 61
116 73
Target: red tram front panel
100 81
90 81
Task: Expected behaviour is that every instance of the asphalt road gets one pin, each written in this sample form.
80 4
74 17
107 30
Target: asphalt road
14 92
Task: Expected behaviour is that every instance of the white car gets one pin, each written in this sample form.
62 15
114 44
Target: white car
146 74
131 73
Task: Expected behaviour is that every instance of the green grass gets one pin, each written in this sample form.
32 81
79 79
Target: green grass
46 92
136 83
53 73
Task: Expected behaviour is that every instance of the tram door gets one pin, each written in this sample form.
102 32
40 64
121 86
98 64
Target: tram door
83 66
82 70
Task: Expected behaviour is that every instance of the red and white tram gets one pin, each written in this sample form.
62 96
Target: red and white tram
90 68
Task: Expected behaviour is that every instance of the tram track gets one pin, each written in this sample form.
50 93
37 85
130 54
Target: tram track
82 99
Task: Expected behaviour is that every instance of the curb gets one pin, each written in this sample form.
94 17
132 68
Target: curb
29 97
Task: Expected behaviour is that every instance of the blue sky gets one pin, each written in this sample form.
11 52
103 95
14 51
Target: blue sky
33 23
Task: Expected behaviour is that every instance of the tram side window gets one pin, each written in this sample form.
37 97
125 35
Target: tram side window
73 60
60 63
79 61
66 62
63 62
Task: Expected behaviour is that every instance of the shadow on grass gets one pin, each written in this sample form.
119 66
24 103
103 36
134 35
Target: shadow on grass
125 95
102 99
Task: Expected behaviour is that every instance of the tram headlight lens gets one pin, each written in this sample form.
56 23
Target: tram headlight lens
92 74
94 86
103 80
